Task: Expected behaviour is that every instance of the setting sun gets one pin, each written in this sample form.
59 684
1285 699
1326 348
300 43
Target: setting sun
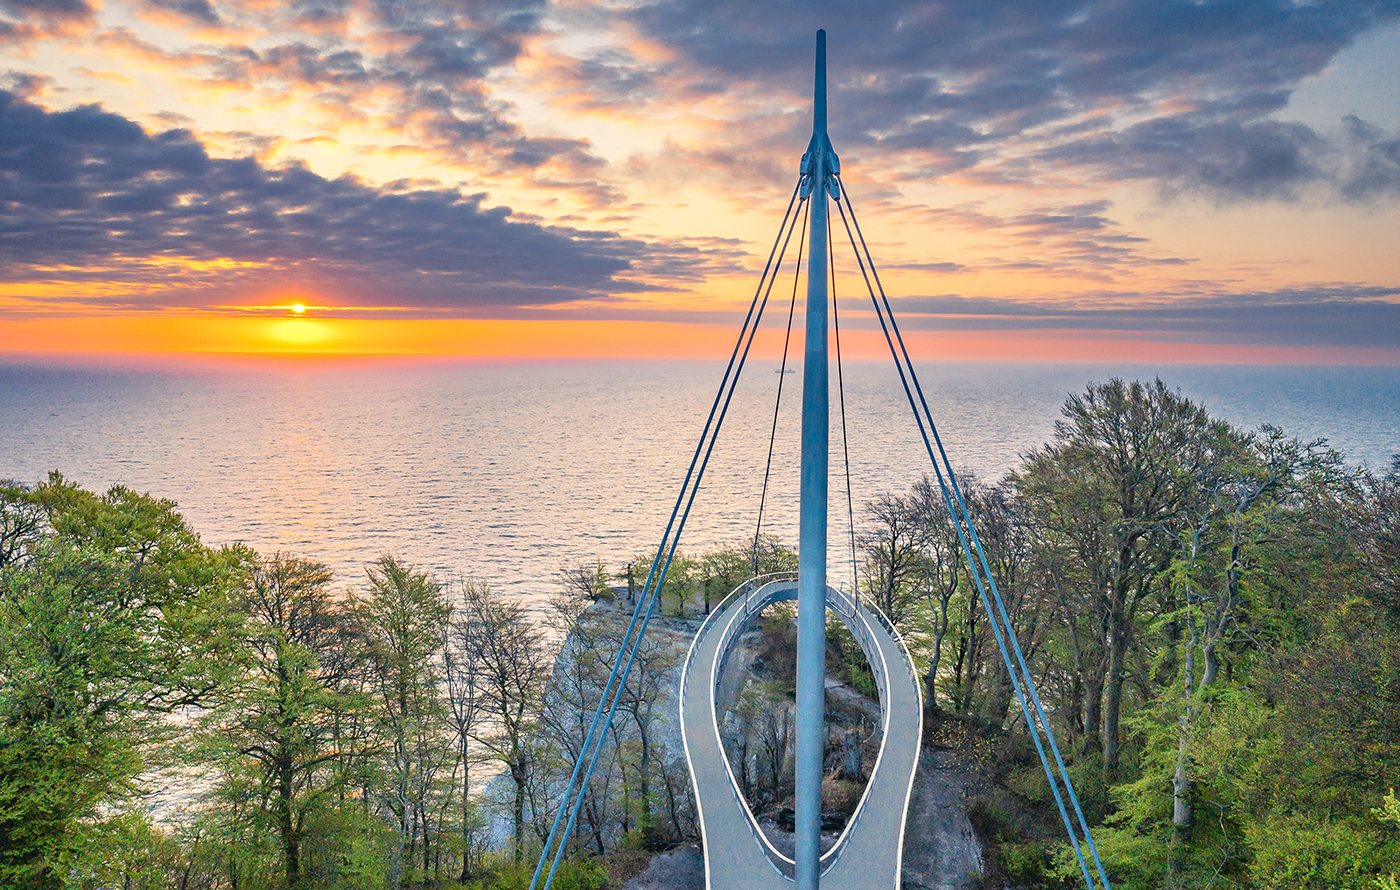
298 308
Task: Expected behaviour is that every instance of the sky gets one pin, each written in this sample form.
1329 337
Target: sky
1110 180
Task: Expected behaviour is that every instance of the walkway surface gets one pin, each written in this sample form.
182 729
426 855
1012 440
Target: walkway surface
868 854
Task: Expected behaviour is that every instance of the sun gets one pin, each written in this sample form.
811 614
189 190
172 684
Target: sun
298 308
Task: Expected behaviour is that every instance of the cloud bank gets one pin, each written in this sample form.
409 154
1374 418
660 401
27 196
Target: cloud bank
88 189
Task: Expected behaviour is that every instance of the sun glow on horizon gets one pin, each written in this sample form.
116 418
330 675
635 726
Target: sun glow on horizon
300 336
301 333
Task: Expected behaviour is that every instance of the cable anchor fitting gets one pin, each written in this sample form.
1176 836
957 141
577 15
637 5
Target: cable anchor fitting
831 168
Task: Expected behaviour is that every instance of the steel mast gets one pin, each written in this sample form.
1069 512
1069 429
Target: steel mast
818 166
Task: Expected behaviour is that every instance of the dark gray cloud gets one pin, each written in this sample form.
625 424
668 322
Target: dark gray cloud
47 9
956 85
88 188
28 20
1361 315
1371 165
201 11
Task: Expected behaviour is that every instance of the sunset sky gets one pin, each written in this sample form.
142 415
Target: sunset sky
1139 179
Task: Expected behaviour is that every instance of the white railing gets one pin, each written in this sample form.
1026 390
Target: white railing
757 594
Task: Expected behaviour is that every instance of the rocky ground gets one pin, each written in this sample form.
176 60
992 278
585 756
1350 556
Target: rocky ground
680 869
941 852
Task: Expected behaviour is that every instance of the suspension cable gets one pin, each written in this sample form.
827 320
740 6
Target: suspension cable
958 525
1000 618
958 520
782 375
986 569
652 588
845 439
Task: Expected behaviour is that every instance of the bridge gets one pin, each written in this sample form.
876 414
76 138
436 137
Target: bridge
868 852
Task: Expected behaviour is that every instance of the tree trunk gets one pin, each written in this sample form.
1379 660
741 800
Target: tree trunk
427 842
999 700
961 692
931 678
672 806
466 814
1181 777
291 842
1118 636
1093 707
1113 703
517 775
644 787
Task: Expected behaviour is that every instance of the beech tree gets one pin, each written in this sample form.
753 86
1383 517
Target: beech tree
277 724
941 573
402 618
464 711
1115 485
893 546
576 685
112 614
513 667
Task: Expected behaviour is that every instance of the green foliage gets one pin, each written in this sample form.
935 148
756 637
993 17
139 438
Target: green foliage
345 848
1132 861
850 664
1028 864
1239 750
401 624
1309 851
111 614
1212 617
577 873
131 853
284 737
678 588
1389 811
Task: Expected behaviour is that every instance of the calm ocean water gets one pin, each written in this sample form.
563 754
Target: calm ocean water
505 472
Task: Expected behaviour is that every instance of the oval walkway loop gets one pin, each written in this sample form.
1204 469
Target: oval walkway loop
868 854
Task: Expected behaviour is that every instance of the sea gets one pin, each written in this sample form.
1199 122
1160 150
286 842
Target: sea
508 472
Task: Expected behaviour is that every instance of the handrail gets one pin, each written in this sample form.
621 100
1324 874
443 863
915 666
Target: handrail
779 862
772 587
765 579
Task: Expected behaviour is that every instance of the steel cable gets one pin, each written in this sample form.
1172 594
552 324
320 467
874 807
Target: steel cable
1000 618
652 588
845 439
782 375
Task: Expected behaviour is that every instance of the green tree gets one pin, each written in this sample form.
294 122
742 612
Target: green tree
1115 485
464 712
725 569
403 618
112 614
504 650
276 726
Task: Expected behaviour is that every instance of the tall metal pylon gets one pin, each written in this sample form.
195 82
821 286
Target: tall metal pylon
819 164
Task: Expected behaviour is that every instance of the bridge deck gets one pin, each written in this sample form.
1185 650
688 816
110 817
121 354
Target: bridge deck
868 854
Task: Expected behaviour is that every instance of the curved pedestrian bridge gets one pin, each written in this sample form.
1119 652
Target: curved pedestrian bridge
737 854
